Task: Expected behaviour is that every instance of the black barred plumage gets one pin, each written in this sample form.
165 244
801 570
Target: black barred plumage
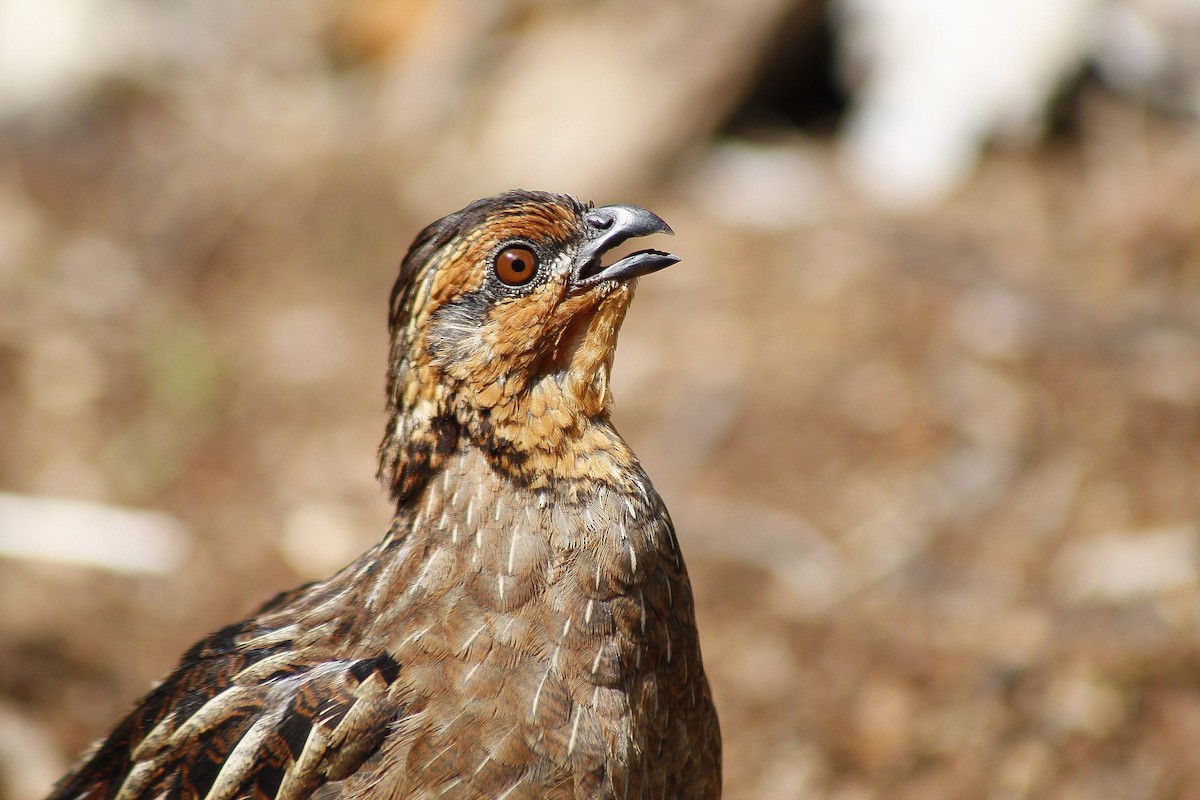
525 628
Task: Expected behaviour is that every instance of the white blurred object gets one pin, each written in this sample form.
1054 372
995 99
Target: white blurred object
1130 565
52 51
29 760
759 186
1151 49
90 534
934 79
317 539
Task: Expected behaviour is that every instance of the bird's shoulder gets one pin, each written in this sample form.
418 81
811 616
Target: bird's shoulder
259 708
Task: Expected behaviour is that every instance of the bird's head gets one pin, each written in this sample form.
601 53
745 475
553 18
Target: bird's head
504 320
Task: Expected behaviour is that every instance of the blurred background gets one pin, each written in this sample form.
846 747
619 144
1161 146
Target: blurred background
923 398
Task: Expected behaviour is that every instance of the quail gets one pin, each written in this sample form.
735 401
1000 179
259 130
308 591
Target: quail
525 628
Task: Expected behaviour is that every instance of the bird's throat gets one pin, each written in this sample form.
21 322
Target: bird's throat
544 423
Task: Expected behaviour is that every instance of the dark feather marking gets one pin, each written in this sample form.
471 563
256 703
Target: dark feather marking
388 668
384 664
283 598
268 780
222 641
294 730
203 771
503 455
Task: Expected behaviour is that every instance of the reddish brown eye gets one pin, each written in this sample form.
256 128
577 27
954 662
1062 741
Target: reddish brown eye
516 265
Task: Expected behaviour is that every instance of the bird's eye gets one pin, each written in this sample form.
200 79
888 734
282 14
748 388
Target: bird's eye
515 265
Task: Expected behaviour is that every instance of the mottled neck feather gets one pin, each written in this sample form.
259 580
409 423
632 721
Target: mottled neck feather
471 527
544 424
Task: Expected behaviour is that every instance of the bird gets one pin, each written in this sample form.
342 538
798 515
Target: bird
525 628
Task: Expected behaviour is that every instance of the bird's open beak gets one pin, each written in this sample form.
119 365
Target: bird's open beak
610 226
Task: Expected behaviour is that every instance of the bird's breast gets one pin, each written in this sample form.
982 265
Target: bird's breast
572 617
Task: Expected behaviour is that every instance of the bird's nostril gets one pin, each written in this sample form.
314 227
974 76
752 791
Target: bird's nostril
598 220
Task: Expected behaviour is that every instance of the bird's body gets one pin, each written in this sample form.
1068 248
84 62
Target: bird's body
525 629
